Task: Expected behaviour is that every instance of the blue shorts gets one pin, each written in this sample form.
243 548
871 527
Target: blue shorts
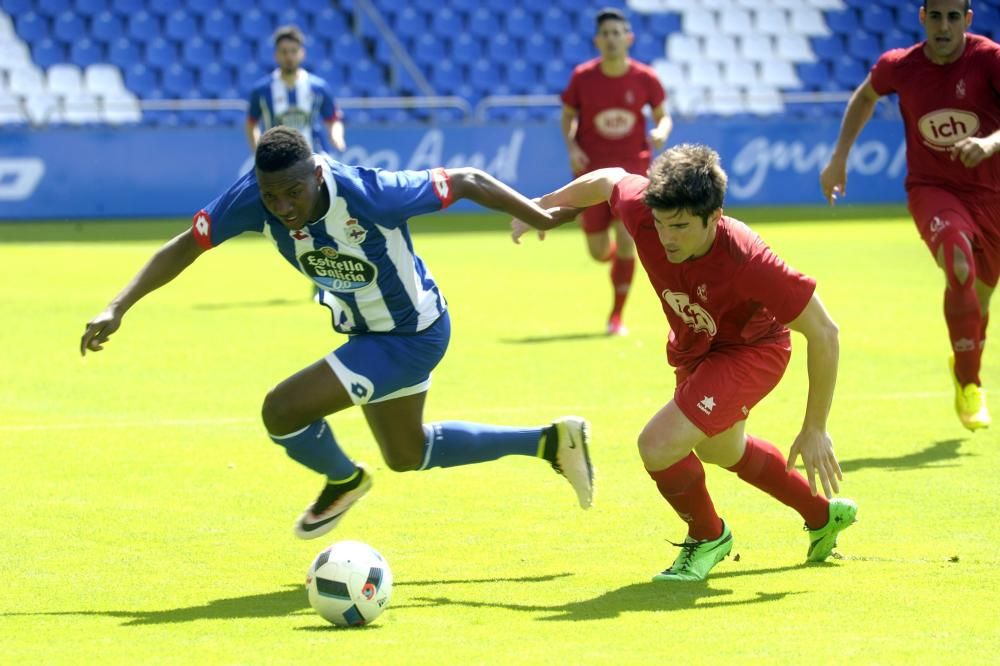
375 367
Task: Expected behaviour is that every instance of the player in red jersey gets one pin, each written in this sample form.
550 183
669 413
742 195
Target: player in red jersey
603 126
949 95
730 302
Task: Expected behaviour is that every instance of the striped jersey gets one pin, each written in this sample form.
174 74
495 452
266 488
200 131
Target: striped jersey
304 106
359 253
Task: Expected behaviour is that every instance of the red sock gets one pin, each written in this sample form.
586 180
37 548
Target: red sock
965 329
982 331
622 271
763 466
683 486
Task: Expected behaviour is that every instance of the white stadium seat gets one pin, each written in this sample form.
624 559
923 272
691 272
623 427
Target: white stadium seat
670 73
720 47
64 79
101 79
704 73
698 21
42 107
740 73
683 48
726 101
757 47
689 100
779 73
771 21
794 48
11 111
26 81
764 101
827 5
808 21
122 107
6 27
735 21
81 107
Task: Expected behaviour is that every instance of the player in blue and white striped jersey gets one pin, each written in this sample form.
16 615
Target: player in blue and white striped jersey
293 97
345 228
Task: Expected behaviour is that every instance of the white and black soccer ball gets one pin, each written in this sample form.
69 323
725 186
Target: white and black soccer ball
349 584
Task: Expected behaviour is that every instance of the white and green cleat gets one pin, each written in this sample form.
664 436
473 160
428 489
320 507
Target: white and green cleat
842 514
970 403
698 557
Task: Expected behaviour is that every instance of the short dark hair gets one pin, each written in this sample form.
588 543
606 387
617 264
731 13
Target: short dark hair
291 32
688 178
279 148
610 14
968 5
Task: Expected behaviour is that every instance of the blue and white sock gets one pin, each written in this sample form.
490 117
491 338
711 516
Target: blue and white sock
455 443
315 447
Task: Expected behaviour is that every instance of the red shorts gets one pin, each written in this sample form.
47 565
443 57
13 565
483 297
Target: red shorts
725 385
934 208
598 219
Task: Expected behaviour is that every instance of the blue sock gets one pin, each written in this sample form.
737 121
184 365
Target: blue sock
454 443
315 447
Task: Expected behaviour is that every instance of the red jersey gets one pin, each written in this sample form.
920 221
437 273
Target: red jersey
610 127
942 104
740 293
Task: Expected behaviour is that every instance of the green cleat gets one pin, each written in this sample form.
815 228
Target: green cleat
698 557
970 403
822 541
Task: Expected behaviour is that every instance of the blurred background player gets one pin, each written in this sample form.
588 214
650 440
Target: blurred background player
949 96
293 97
730 303
603 126
345 228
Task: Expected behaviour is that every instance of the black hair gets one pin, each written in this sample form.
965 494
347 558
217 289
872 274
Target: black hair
279 148
688 178
610 14
291 32
968 5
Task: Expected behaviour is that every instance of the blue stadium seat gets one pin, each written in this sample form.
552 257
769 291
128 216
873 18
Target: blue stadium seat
330 23
447 115
236 51
180 25
219 25
365 77
897 39
521 76
583 24
828 48
106 27
32 26
231 117
215 80
428 49
556 75
844 22
878 19
314 6
484 76
848 72
178 81
466 6
123 52
161 53
69 27
201 7
290 16
348 49
482 23
864 45
520 23
47 52
556 23
91 7
256 24
263 53
198 51
466 48
428 6
143 26
544 113
17 7
248 76
446 23
236 6
127 8
814 75
576 49
161 8
663 24
330 71
140 79
539 49
647 48
446 77
411 23
273 6
85 52
53 8
502 48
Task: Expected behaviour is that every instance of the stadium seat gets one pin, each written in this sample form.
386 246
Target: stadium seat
466 48
123 52
17 7
501 48
32 27
741 73
735 21
828 48
235 51
848 72
273 6
646 48
42 108
365 77
291 16
576 49
161 8
200 7
521 76
446 23
771 21
779 74
683 48
11 110
556 23
81 108
670 73
704 73
725 102
863 46
662 24
794 48
346 48
218 25
127 7
256 24
64 79
814 75
143 26
843 22
53 8
141 80
180 25
446 77
13 55
757 47
48 52
103 79
484 76
896 39
877 19
85 52
329 70
808 21
720 48
91 8
198 51
556 75
520 23
26 80
178 81
764 101
215 81
106 27
482 23
539 49
410 23
248 75
161 53
68 27
688 100
428 49
703 23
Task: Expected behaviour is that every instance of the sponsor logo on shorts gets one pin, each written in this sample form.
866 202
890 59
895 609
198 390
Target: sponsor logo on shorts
693 314
614 123
964 345
707 404
337 272
944 128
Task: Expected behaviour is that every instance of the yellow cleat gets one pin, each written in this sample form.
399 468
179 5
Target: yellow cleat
970 403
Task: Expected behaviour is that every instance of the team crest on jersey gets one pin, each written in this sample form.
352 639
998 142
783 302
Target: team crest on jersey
693 314
960 89
703 292
944 128
335 271
629 97
355 233
614 123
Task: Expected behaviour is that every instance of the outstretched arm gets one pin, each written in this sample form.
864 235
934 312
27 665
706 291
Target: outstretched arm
813 442
833 177
168 262
482 188
587 190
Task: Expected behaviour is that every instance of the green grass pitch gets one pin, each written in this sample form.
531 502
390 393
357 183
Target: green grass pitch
146 518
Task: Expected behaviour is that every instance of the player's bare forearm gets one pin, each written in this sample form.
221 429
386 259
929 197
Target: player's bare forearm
253 135
857 114
485 190
588 190
822 360
167 263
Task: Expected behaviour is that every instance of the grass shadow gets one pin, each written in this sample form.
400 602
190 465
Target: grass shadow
943 451
562 337
274 302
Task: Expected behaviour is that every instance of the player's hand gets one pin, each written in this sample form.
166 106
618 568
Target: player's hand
657 138
578 159
99 329
833 180
519 228
816 449
972 150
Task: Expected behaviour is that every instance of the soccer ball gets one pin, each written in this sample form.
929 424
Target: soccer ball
349 584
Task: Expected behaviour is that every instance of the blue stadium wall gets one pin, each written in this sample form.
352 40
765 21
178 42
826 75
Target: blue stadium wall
167 172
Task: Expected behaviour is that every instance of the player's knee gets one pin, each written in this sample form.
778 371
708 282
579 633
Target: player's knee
403 460
655 449
278 414
403 450
955 258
